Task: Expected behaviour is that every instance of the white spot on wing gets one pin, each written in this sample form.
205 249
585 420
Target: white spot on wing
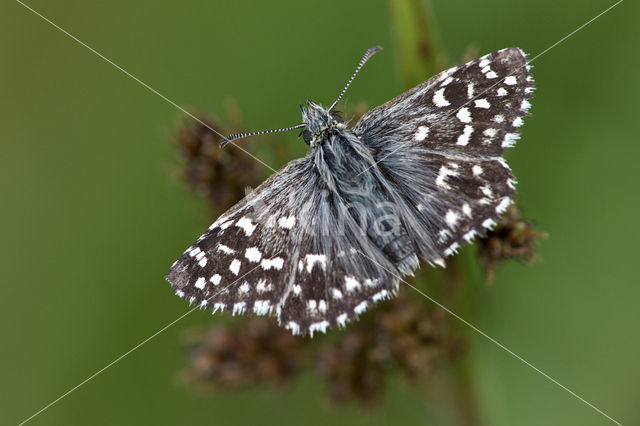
380 295
489 223
246 225
312 305
362 306
215 279
238 308
477 170
336 294
482 103
502 91
469 235
294 327
510 140
486 191
506 201
510 80
225 249
453 248
287 222
200 283
470 90
442 176
439 99
235 266
253 254
318 326
421 134
351 283
463 139
312 259
490 132
261 307
446 81
372 282
342 319
275 263
262 286
464 115
443 235
451 218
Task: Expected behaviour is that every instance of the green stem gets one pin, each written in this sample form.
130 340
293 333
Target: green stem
415 40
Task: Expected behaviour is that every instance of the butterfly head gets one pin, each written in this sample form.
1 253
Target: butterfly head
319 123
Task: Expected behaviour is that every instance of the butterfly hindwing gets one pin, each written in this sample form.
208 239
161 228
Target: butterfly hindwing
243 261
289 249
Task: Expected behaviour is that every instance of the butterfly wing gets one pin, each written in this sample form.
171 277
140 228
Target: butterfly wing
440 145
289 249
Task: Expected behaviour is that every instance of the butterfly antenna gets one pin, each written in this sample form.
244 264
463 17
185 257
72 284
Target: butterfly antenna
364 59
235 136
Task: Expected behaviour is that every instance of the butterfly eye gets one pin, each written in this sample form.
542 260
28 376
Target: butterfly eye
306 135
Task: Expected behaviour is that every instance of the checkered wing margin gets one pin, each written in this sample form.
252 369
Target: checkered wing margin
440 145
289 249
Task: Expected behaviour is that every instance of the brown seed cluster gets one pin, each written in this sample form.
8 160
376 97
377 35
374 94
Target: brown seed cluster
250 352
513 238
221 175
402 336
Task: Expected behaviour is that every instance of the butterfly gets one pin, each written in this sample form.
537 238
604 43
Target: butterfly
329 235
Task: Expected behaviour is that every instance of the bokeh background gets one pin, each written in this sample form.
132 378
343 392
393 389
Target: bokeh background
92 215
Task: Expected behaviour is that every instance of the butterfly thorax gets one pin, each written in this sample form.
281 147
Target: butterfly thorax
348 170
320 123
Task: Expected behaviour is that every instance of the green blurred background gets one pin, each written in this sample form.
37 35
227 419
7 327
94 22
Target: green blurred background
91 216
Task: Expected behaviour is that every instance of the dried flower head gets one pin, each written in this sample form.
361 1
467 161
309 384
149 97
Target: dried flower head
402 336
251 352
221 175
513 238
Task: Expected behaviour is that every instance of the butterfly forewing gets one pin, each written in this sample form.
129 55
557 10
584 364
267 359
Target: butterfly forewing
440 144
474 109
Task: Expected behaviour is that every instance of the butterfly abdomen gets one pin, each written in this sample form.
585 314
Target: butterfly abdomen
348 169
